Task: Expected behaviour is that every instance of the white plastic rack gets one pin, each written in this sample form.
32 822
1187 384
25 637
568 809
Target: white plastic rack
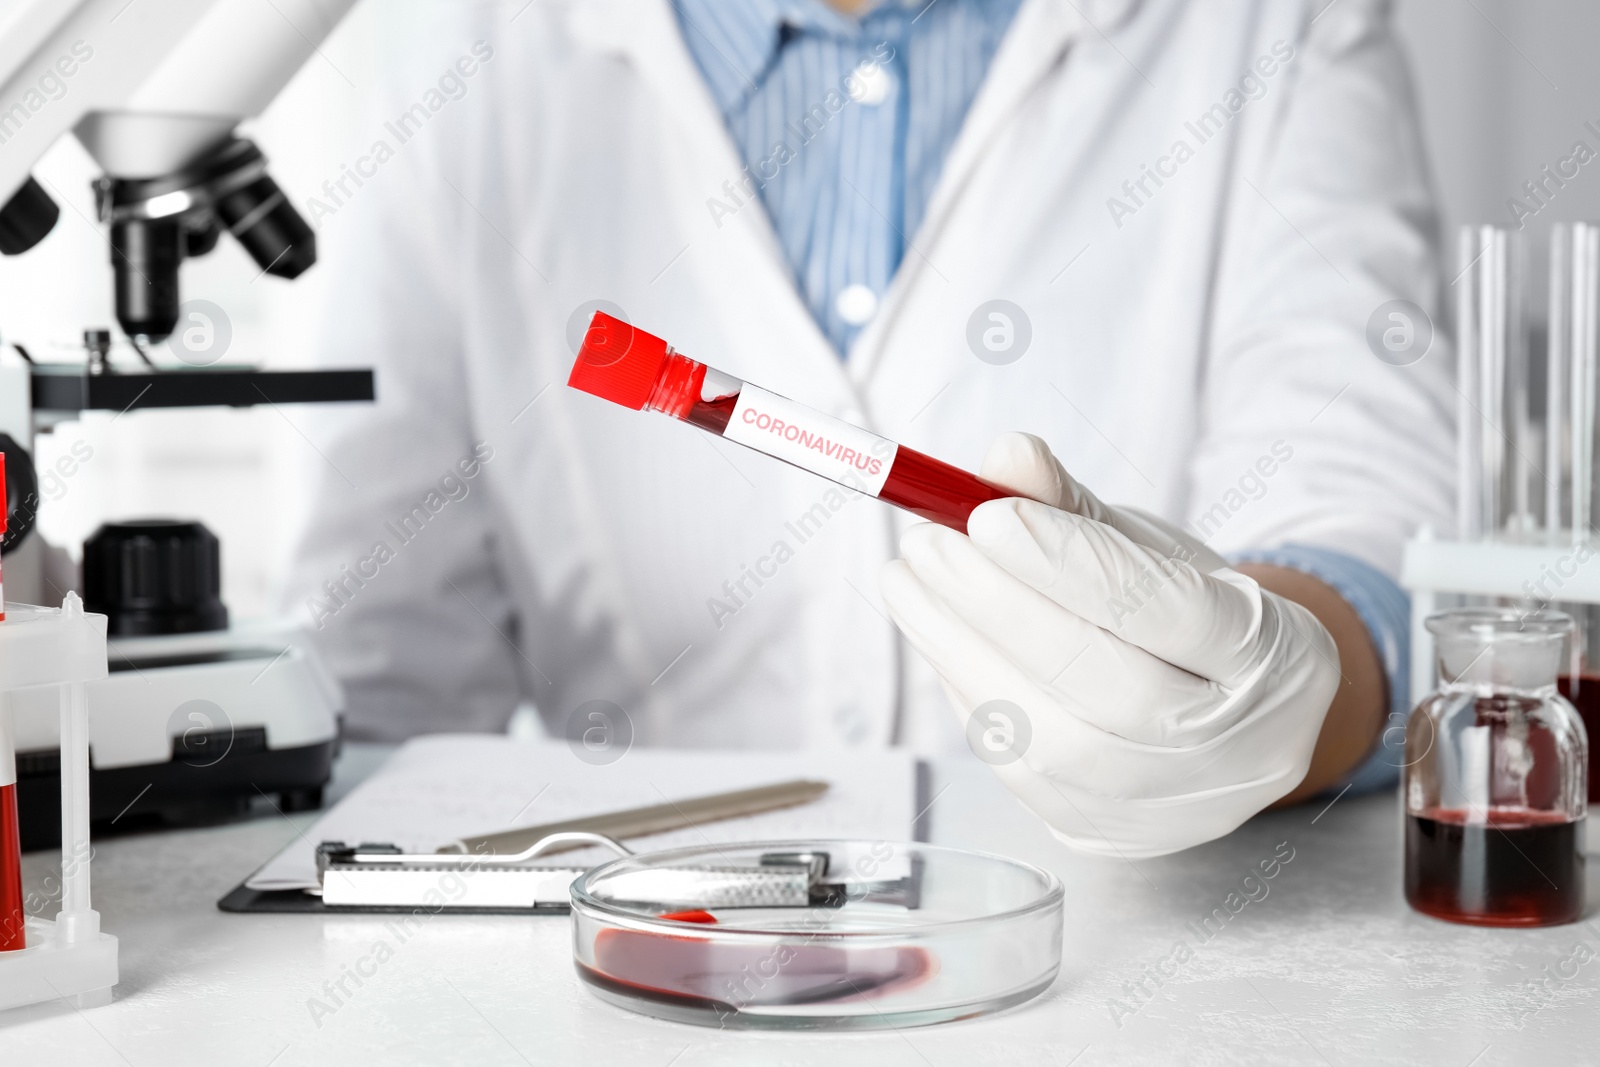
70 957
1557 571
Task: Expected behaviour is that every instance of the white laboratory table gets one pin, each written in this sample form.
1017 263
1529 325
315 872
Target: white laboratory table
1329 967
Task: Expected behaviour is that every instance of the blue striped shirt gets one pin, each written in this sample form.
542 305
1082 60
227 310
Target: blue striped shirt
844 125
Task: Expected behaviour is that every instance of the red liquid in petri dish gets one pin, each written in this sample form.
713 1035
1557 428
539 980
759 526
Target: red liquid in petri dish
1584 692
13 935
721 977
1519 868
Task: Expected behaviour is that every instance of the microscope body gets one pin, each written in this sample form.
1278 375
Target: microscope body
204 715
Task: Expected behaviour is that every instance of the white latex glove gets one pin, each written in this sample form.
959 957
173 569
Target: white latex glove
1157 698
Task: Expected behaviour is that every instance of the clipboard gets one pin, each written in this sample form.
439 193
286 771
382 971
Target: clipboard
243 899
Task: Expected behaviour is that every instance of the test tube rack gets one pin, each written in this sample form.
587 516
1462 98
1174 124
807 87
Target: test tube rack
1509 543
1531 572
70 957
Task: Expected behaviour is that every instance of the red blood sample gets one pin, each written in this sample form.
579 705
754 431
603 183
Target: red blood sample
12 933
1502 867
694 915
935 491
12 919
724 977
1584 692
640 371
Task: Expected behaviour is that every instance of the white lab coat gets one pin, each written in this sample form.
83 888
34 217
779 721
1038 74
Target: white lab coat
603 554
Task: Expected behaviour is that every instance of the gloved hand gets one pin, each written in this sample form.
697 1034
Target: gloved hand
1168 697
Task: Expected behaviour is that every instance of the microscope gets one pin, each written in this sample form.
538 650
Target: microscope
197 716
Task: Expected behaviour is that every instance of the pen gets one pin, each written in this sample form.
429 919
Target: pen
655 819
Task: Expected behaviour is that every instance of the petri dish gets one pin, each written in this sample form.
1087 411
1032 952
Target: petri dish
816 935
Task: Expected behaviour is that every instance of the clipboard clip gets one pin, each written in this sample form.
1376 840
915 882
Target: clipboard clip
383 876
337 853
376 876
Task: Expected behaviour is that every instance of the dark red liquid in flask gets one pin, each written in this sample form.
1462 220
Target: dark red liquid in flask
630 367
1503 867
1516 862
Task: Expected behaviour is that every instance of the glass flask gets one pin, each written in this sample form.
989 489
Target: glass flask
1496 775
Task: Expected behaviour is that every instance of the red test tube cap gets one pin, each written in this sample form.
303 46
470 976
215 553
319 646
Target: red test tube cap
617 362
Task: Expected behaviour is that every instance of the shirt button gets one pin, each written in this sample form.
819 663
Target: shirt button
856 304
870 84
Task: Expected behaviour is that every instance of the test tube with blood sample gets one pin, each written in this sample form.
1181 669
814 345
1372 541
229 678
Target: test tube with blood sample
12 919
627 366
12 932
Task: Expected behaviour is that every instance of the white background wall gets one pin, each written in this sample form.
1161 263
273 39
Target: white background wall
1504 85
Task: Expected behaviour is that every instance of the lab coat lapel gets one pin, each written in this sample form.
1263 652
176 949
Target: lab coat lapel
742 255
1036 43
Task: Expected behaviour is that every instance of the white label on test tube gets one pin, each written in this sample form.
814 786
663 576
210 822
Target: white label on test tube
809 439
8 752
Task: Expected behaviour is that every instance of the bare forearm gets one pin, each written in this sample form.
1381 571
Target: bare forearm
1357 713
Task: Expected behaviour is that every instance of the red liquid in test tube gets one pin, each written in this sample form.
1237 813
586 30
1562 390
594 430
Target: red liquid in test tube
12 932
627 366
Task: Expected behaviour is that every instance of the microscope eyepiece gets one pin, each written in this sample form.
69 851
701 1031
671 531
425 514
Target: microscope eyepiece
26 217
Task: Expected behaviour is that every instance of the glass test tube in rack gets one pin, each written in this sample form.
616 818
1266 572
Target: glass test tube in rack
1526 455
1526 461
